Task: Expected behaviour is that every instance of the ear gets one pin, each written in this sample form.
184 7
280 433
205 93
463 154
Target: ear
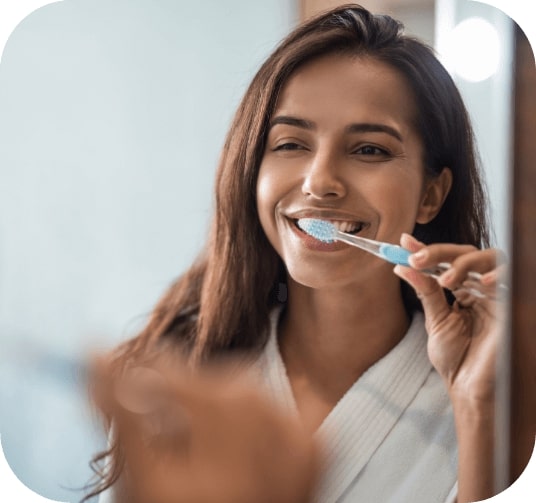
434 195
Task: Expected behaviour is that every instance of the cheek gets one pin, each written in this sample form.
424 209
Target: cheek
397 199
267 201
263 192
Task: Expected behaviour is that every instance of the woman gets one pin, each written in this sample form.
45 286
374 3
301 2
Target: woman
353 122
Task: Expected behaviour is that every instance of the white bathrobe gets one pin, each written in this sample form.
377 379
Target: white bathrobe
391 437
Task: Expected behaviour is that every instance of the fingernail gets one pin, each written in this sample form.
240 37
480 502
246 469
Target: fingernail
420 255
447 276
488 278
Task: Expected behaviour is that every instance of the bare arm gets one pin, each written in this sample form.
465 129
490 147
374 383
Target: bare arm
475 433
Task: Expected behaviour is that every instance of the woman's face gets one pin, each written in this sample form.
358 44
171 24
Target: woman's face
342 146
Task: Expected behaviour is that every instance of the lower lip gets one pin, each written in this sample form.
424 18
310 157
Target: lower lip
314 244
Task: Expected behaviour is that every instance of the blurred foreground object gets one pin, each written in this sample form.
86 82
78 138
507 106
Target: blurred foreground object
202 437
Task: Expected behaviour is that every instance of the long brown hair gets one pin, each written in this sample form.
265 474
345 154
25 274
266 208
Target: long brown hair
223 301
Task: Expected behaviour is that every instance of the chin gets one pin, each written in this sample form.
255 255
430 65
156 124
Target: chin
317 277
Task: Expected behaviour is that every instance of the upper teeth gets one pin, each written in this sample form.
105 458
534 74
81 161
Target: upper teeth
346 226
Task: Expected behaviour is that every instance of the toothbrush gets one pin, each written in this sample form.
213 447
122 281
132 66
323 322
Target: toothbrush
326 232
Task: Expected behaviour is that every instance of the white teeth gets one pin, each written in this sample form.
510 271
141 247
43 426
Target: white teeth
346 226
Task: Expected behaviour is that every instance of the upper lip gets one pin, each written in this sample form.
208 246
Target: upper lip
325 214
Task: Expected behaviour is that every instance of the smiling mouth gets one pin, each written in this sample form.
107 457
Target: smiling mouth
346 226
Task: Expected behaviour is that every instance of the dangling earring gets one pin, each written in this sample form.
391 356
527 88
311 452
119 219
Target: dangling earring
282 292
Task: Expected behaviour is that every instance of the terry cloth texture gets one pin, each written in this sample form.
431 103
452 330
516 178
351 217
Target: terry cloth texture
391 437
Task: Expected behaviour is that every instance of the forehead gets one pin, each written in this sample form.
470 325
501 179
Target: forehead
349 88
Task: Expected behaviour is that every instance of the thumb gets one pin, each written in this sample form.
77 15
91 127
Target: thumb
428 290
411 243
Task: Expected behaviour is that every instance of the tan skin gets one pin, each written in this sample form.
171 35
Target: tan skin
321 167
462 346
322 161
331 166
208 436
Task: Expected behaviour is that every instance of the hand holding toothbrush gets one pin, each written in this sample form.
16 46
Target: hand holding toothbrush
462 337
463 342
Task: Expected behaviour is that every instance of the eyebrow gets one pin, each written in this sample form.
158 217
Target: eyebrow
374 128
292 121
362 127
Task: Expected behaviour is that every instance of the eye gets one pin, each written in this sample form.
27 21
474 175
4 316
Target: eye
372 150
288 146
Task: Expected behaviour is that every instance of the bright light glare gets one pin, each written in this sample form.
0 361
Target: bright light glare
473 50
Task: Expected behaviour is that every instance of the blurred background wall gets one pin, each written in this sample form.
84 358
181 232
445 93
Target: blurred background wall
112 115
479 56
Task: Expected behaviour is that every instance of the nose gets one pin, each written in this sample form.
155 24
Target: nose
322 179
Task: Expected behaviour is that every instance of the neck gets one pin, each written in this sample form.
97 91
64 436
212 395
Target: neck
348 329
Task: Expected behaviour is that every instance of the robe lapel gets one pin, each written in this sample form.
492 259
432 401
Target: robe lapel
369 411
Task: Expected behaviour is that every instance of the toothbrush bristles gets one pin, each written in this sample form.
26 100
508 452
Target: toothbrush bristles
319 229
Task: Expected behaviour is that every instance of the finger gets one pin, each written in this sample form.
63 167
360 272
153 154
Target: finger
481 261
469 265
466 297
142 404
433 254
155 468
432 298
480 291
498 275
463 257
431 295
100 378
411 243
140 389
